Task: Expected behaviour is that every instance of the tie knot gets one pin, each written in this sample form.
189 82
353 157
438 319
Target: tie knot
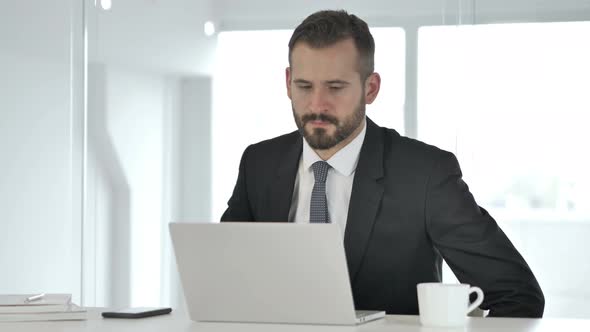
320 171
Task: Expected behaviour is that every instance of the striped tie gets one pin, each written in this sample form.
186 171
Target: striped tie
318 209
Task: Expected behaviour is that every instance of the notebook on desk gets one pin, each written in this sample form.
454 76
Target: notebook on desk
265 272
40 307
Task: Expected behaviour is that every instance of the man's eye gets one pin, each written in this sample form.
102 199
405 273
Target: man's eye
304 87
336 87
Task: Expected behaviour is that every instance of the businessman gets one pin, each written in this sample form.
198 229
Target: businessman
402 204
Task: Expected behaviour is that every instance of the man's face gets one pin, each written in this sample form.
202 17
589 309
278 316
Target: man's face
327 94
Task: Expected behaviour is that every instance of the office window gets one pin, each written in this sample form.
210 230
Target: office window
511 101
250 103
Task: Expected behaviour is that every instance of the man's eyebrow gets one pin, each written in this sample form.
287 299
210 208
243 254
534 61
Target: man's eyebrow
338 82
301 81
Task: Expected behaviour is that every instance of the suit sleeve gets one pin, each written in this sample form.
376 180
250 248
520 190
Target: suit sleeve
238 206
475 248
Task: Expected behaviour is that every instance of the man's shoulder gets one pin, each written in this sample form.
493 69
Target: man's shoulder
398 145
410 155
278 142
275 146
270 152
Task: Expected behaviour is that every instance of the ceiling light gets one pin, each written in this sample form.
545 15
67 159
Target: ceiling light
209 28
106 4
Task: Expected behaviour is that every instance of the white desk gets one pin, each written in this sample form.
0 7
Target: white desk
393 323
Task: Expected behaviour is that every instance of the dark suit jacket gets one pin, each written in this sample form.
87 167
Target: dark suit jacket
409 209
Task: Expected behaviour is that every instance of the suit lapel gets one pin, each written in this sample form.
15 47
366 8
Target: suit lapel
281 189
365 199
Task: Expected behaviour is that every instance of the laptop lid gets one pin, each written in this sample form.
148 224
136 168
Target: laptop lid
264 272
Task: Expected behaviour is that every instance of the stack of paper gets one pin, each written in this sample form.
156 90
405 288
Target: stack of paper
46 307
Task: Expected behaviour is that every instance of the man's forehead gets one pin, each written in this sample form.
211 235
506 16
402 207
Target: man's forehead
303 76
335 62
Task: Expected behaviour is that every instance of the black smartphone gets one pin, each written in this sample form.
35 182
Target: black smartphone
138 312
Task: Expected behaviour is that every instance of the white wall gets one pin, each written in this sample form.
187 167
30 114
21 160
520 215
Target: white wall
125 183
39 244
149 148
149 145
108 208
195 145
163 36
188 173
35 200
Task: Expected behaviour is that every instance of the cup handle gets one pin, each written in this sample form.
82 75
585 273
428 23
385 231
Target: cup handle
477 301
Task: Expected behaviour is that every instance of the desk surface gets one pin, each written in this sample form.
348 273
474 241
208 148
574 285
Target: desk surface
391 323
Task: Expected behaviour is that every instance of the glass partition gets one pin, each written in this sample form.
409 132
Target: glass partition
40 45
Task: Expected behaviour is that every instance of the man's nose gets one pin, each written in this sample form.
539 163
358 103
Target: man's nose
319 100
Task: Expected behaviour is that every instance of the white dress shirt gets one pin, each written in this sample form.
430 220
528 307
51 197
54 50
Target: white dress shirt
338 184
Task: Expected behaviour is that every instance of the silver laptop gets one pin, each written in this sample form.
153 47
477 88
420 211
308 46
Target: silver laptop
266 272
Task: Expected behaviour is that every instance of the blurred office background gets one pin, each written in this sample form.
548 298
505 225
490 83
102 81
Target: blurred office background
117 117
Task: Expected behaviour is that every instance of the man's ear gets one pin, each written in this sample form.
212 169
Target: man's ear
288 81
372 86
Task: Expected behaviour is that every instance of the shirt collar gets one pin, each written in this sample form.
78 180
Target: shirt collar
343 161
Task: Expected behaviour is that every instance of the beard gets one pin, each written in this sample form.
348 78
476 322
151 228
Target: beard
318 138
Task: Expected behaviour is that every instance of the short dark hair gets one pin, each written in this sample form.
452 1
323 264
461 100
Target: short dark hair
327 27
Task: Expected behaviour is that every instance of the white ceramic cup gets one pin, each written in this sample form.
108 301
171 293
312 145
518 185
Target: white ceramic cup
446 305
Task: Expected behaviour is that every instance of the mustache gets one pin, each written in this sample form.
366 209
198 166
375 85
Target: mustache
318 117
